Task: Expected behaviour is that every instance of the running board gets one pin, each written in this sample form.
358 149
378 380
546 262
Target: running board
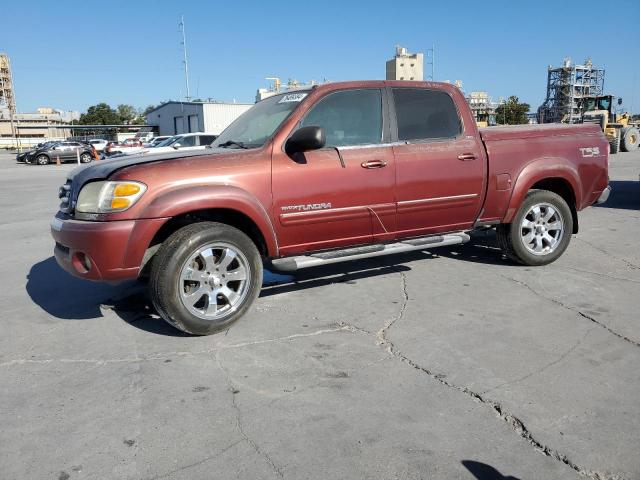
291 264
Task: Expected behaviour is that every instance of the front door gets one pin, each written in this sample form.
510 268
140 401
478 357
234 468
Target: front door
342 194
440 164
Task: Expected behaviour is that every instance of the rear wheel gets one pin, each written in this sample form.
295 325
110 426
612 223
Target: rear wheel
540 231
204 277
86 157
42 159
629 139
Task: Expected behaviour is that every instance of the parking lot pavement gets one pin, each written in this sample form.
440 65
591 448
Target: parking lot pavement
452 363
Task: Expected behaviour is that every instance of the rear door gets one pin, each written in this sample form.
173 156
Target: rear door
342 194
440 166
65 151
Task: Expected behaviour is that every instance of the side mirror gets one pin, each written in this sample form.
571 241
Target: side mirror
176 146
304 139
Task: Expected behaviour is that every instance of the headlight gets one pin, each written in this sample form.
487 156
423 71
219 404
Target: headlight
107 197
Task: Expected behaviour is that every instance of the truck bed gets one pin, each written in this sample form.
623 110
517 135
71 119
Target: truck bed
508 132
513 150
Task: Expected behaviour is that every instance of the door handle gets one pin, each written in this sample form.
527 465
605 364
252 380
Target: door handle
466 157
373 164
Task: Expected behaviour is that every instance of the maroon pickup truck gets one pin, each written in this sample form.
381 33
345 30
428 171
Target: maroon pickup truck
337 172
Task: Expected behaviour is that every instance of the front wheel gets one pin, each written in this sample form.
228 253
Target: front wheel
204 277
42 160
86 157
540 231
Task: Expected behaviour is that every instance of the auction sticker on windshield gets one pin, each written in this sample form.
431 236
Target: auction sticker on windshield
292 97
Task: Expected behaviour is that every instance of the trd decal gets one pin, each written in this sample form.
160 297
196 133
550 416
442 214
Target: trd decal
590 152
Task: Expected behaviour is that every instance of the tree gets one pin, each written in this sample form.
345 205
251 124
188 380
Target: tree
100 114
127 114
512 112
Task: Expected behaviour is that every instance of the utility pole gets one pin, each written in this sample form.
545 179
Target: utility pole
185 61
431 53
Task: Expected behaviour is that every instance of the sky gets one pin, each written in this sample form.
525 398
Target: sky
73 54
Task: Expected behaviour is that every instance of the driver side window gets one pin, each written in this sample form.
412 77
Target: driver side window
348 117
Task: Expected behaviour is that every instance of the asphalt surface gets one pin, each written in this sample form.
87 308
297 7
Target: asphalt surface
446 364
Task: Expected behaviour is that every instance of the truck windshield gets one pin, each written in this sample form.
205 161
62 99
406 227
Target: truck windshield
255 126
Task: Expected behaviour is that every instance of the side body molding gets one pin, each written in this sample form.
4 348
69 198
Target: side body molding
543 169
204 197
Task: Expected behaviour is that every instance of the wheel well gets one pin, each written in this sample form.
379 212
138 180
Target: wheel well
564 189
226 216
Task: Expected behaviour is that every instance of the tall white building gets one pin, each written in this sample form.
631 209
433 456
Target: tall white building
405 65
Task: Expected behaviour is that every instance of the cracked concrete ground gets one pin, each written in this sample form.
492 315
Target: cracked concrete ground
452 363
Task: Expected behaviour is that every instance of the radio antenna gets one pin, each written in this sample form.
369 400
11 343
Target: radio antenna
185 61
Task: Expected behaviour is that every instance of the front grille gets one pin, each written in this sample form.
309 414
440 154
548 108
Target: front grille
64 193
64 249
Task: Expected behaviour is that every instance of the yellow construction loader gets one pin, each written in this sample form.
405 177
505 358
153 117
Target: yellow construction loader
621 132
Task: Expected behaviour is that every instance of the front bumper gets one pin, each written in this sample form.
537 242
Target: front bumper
604 196
107 251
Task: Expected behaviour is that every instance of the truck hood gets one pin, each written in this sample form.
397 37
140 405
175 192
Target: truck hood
103 169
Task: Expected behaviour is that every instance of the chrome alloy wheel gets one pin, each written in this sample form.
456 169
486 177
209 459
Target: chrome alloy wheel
214 281
542 229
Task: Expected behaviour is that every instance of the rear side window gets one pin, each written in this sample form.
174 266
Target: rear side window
187 141
349 117
207 139
424 114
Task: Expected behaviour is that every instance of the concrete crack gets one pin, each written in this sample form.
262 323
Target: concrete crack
382 333
164 356
239 424
545 367
605 275
572 309
199 462
602 250
501 412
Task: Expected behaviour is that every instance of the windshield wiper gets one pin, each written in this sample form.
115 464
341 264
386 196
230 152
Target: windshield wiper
229 143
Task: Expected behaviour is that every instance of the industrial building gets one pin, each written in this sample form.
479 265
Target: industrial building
405 65
277 87
173 118
568 87
483 108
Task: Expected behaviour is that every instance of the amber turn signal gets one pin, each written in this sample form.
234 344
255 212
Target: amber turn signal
120 203
126 190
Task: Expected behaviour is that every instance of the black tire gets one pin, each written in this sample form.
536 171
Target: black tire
510 235
614 144
629 139
172 257
42 159
86 157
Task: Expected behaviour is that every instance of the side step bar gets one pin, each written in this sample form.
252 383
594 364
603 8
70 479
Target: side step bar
291 264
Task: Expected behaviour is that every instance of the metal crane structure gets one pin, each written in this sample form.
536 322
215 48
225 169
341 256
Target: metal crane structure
7 97
568 88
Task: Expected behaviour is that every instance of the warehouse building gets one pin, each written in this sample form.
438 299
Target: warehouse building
173 118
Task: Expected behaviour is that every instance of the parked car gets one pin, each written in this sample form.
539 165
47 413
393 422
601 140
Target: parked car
65 151
338 172
98 143
21 157
153 142
183 142
119 147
